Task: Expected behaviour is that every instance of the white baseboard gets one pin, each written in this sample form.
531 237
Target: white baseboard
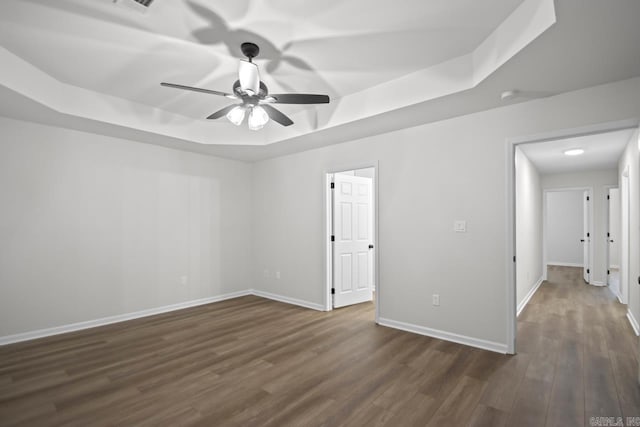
288 300
447 336
634 322
565 264
41 333
529 295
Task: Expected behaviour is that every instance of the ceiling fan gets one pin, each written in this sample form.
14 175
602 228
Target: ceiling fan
254 95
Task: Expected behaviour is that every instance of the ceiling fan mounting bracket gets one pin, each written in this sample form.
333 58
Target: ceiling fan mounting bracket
250 50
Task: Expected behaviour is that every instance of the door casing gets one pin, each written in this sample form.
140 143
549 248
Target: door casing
545 191
326 182
510 207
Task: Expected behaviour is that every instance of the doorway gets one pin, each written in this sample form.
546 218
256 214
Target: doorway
555 172
567 229
351 231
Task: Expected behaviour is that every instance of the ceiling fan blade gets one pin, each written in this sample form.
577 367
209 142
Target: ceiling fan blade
276 115
222 112
299 98
198 89
249 77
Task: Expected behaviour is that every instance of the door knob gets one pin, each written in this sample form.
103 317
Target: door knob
582 240
370 246
611 241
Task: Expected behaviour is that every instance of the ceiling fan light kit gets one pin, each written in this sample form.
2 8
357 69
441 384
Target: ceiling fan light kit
236 115
258 117
254 95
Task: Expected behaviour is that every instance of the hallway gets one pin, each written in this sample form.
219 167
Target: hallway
581 354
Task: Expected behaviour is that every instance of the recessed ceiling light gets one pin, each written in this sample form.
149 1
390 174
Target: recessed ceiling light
573 152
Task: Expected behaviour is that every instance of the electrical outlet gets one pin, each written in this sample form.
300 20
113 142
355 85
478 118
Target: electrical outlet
184 280
435 299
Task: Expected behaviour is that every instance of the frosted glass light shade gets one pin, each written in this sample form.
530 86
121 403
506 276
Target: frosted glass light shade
236 115
574 152
258 117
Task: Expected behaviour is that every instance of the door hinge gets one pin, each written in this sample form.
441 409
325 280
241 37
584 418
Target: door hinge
588 272
333 238
608 272
588 235
587 198
332 185
333 291
608 198
608 235
514 258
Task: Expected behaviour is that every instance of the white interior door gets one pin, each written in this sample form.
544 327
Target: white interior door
586 237
613 241
352 214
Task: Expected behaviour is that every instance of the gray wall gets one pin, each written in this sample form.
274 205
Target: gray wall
93 227
630 159
429 176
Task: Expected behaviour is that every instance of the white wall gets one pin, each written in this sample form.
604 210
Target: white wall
600 182
92 226
630 160
528 228
429 176
564 217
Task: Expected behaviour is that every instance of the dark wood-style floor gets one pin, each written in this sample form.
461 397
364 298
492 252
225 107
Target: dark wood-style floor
252 361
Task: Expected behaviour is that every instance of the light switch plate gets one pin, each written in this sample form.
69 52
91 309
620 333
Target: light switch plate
460 226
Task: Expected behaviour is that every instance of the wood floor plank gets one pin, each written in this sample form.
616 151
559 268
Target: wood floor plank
601 396
459 405
256 362
531 403
487 416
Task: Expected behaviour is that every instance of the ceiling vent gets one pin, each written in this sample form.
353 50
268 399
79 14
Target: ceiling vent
139 5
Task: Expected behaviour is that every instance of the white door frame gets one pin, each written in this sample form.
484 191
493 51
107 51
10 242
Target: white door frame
625 233
328 220
510 198
608 235
546 191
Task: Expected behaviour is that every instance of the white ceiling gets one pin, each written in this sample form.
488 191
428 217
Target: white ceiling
94 65
334 46
601 151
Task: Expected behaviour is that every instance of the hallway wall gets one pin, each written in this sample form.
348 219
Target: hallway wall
528 228
630 159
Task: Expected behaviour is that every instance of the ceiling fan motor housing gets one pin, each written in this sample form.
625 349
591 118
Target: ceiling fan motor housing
250 50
